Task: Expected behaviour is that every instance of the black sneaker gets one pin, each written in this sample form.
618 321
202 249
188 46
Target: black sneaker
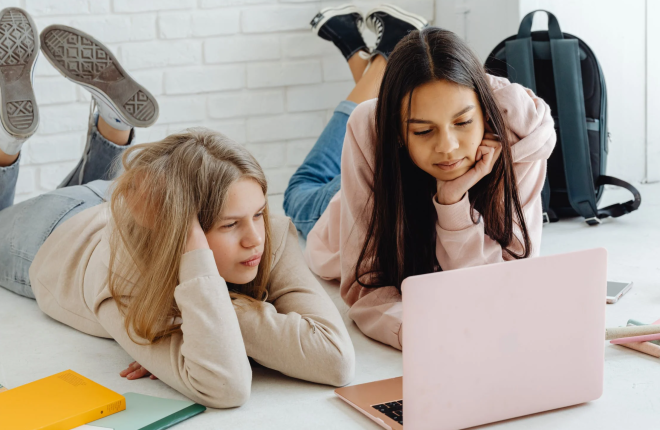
391 24
341 25
87 62
19 48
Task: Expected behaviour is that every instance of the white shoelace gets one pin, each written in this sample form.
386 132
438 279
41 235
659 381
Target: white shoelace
379 28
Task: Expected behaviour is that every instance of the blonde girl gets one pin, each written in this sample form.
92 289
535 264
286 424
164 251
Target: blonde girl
182 265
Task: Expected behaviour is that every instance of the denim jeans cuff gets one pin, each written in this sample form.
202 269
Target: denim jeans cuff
346 107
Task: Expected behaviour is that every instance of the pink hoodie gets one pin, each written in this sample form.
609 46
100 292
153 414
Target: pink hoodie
334 244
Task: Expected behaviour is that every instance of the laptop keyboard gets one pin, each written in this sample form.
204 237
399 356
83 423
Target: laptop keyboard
393 410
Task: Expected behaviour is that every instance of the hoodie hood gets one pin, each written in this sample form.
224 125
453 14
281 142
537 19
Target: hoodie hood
528 118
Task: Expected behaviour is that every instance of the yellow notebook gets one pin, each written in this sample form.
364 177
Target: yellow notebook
59 402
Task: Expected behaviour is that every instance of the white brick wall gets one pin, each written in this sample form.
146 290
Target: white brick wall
251 69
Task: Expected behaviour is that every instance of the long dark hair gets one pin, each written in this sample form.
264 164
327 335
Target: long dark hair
400 240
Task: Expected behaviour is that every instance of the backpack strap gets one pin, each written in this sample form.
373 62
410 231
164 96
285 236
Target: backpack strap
520 62
519 55
520 70
525 28
618 209
573 128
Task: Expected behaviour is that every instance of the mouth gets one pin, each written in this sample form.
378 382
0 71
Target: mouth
252 261
450 165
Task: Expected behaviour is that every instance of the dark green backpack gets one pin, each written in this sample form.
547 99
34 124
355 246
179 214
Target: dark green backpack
562 70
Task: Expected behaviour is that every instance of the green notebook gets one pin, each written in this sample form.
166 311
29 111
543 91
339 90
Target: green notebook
149 413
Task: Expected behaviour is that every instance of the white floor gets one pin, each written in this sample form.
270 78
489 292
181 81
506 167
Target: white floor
33 346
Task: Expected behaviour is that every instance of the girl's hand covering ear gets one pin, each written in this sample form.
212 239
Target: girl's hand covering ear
196 236
135 371
451 192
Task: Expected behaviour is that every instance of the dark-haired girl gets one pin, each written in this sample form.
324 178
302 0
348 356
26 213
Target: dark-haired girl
443 170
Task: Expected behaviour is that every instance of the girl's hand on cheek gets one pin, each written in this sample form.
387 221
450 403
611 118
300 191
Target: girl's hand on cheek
196 237
451 192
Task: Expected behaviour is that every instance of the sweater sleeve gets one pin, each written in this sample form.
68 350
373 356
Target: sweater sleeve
206 361
376 311
299 331
462 243
379 315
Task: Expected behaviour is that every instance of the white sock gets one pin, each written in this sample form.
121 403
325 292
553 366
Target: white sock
369 57
10 144
365 55
110 116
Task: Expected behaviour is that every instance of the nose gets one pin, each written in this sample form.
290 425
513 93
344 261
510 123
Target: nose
446 142
252 236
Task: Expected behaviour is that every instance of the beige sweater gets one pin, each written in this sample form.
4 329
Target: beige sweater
298 331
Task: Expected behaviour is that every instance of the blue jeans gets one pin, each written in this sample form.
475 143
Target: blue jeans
25 226
318 179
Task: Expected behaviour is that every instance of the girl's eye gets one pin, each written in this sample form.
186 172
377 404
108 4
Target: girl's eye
420 133
229 225
259 215
464 123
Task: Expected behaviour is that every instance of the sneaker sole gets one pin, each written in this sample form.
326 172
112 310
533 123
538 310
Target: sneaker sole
330 12
19 49
415 20
86 61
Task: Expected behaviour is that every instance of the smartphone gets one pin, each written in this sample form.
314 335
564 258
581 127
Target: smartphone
617 289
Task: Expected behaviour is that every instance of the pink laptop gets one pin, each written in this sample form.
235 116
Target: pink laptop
494 342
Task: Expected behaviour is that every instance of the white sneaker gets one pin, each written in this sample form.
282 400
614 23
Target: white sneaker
341 25
19 49
122 102
391 24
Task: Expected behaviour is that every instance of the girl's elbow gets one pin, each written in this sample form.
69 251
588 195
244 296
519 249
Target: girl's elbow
232 395
223 391
342 368
240 393
342 379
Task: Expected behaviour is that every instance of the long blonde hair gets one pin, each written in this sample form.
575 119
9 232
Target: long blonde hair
165 184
